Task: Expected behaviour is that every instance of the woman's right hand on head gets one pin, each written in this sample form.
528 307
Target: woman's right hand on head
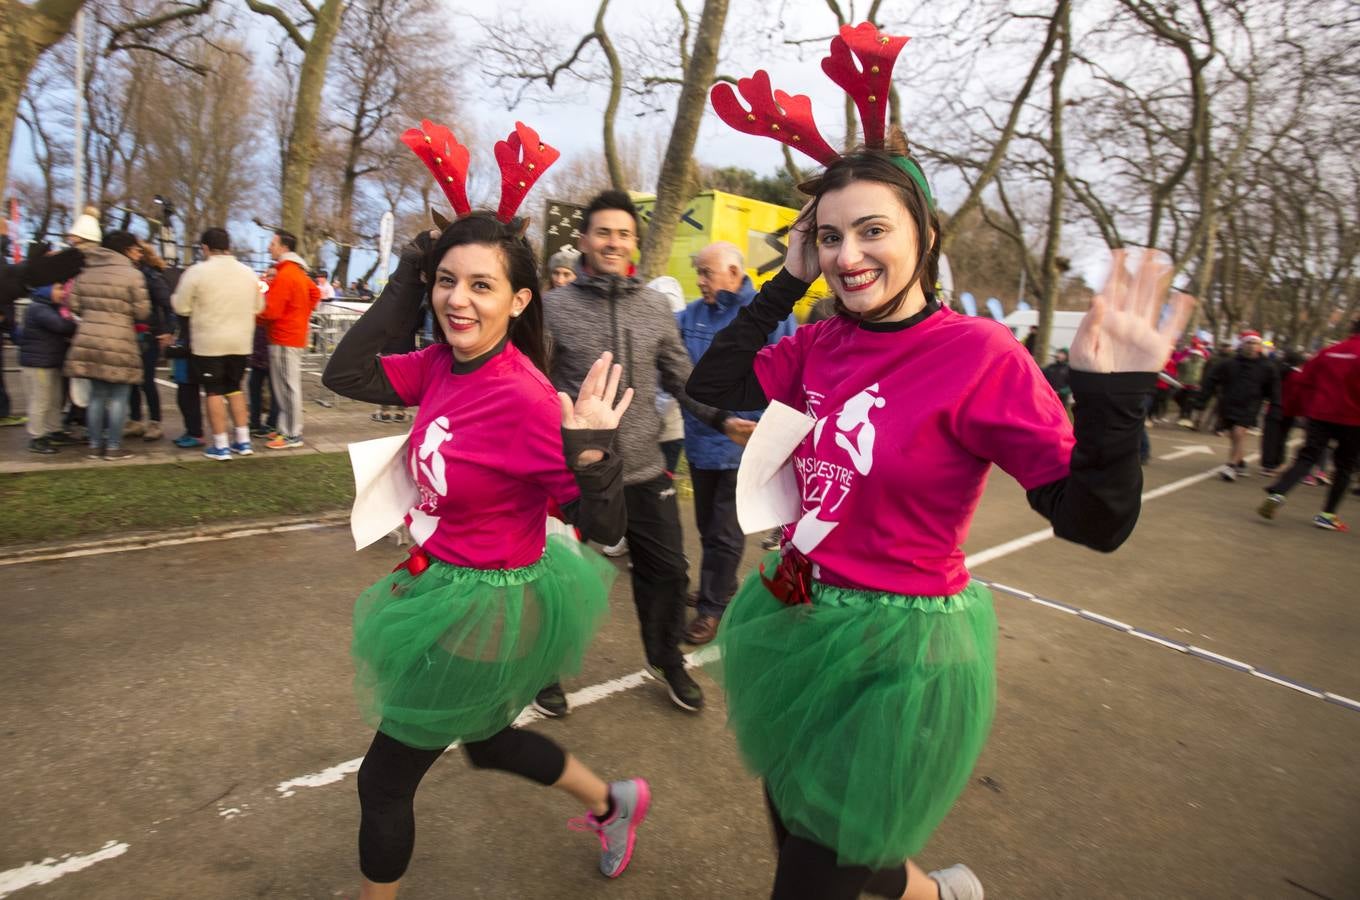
801 259
413 254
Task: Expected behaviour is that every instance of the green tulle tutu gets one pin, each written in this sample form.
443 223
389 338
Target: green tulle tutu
454 654
864 712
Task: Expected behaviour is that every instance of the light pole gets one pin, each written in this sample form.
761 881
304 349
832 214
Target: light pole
78 154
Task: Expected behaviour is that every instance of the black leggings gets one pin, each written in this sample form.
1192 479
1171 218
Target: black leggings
190 408
808 871
151 354
387 789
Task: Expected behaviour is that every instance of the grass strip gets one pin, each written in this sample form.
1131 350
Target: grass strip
104 499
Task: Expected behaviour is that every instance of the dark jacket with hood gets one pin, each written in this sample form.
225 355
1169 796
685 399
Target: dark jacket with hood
1242 384
47 333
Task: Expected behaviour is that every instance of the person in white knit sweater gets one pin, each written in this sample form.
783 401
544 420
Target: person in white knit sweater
221 296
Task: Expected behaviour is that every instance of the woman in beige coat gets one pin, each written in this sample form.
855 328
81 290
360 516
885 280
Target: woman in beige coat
109 297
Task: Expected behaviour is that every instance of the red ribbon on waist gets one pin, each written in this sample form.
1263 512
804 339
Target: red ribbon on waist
417 561
792 582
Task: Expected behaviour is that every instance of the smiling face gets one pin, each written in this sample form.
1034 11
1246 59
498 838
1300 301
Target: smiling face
473 300
609 241
867 247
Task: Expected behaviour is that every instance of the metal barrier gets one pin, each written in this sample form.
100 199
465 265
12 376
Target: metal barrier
330 321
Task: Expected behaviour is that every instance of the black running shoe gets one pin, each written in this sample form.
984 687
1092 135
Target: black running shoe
552 702
685 691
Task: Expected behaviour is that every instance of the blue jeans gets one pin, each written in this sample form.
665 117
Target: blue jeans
107 399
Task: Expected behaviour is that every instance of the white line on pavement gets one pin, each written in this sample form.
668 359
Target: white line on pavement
1035 537
49 870
584 697
168 542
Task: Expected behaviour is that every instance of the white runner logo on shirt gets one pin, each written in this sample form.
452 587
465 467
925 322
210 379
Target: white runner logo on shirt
826 484
429 462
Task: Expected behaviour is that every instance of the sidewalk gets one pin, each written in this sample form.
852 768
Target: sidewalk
326 430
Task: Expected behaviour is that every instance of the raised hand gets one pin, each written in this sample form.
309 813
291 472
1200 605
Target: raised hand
801 258
595 407
1120 332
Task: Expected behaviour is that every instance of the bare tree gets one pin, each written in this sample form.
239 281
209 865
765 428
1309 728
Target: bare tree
671 193
517 59
201 137
311 33
384 48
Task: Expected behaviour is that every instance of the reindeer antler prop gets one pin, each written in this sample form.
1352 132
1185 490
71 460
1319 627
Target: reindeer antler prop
869 83
522 157
446 159
774 114
860 62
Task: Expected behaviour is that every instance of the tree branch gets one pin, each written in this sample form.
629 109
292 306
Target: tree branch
278 15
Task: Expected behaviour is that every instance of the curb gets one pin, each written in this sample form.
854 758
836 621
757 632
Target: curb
147 539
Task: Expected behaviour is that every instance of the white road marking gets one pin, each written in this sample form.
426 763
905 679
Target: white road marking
167 542
49 870
1189 450
1034 537
576 699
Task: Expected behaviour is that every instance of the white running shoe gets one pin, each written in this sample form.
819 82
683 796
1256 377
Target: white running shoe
1227 472
958 883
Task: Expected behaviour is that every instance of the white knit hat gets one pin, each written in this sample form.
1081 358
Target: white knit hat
86 228
564 259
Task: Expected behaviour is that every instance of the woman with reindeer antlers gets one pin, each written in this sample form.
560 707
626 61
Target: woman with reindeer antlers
457 640
859 665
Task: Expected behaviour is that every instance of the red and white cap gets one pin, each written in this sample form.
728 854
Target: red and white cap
1250 337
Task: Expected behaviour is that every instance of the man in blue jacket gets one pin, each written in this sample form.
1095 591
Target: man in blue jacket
713 455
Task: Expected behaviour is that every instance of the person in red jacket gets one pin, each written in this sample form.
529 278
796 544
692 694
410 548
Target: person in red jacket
287 313
1327 391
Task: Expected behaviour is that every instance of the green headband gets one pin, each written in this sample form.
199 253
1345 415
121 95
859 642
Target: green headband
910 166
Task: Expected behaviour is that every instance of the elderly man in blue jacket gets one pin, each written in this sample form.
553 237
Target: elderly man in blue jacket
713 455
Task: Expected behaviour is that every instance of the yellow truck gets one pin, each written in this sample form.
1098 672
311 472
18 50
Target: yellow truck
756 227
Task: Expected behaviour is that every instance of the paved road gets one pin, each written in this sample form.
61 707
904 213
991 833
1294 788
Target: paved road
160 699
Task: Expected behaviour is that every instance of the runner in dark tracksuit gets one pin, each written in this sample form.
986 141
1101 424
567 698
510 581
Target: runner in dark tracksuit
1242 384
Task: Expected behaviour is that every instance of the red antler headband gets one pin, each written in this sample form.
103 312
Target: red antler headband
522 157
788 118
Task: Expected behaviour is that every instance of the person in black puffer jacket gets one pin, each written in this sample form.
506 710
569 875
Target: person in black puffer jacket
1241 384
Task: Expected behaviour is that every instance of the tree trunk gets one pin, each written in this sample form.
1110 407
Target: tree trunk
670 189
25 33
303 146
611 109
1057 188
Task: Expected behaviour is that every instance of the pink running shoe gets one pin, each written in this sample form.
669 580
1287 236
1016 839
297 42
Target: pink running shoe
618 833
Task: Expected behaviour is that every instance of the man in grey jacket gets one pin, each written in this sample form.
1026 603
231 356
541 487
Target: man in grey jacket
606 308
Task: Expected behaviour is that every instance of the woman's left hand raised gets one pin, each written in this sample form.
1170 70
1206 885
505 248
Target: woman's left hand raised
1120 333
595 407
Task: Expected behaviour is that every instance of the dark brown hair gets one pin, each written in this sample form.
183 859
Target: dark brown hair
880 165
521 268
